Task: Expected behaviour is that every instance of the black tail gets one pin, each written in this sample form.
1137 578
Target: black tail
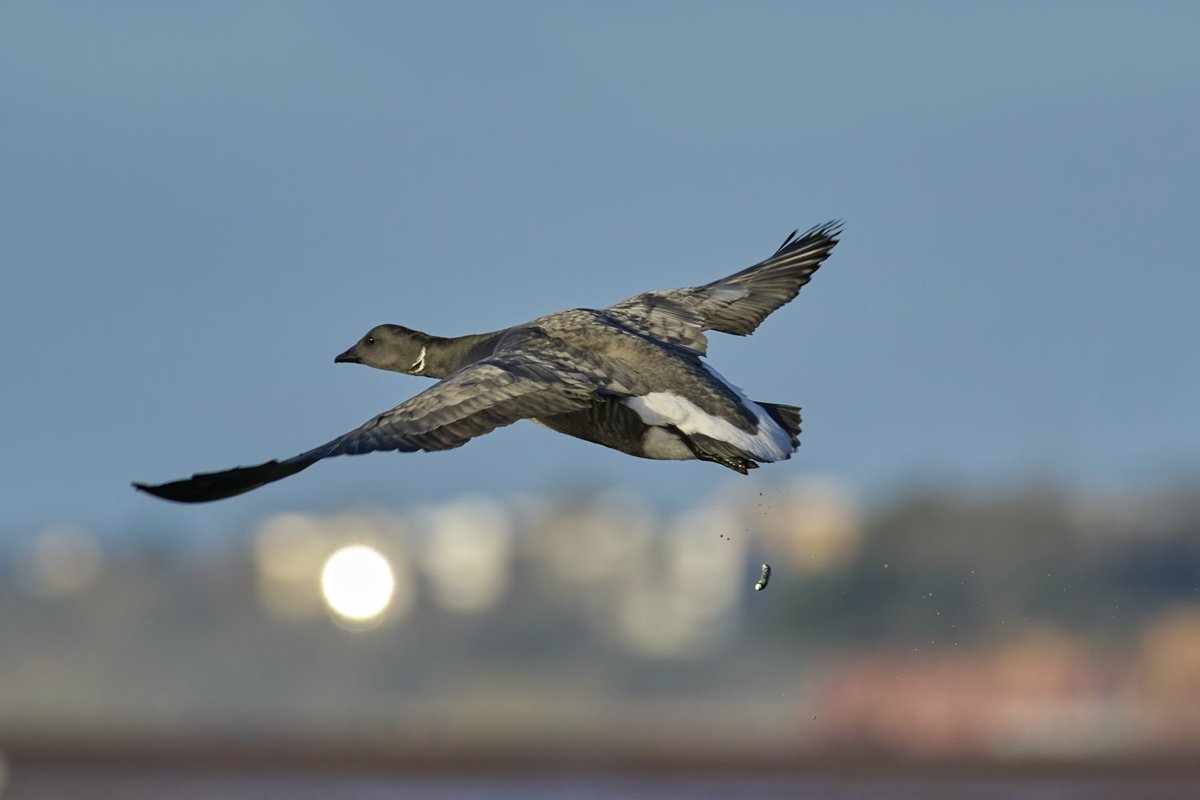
788 418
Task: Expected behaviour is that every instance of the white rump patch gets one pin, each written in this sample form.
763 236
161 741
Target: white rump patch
768 442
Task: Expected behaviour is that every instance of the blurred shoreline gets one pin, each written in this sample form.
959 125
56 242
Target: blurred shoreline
945 631
628 757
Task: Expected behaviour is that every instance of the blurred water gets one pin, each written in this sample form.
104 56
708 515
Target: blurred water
64 784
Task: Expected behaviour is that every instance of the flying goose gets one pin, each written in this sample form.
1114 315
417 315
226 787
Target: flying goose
630 377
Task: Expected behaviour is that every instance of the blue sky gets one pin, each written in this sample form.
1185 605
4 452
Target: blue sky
204 203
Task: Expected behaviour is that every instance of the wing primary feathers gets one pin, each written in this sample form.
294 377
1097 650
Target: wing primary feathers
205 486
830 230
786 242
735 304
536 380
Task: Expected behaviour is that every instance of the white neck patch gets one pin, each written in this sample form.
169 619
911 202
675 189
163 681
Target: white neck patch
419 365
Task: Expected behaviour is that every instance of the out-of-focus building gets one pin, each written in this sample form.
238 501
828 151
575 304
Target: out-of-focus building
466 552
811 525
1044 695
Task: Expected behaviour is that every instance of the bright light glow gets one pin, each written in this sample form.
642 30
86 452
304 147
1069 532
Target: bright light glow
357 582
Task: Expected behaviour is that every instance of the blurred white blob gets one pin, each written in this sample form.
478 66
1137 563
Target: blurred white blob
593 544
684 603
388 535
61 561
357 583
301 568
468 553
289 550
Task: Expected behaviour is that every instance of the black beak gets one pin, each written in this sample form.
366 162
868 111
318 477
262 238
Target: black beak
349 357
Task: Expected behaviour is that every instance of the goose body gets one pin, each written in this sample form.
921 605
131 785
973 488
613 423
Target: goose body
630 377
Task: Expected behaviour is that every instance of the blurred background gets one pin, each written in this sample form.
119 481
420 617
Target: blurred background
986 553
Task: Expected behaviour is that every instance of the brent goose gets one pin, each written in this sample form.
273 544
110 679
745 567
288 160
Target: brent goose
629 377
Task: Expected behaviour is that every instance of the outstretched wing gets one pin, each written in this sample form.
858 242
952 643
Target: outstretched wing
536 380
737 304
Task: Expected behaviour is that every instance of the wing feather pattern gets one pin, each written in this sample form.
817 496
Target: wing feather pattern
737 304
532 381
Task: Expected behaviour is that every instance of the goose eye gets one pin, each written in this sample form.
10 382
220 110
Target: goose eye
370 340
